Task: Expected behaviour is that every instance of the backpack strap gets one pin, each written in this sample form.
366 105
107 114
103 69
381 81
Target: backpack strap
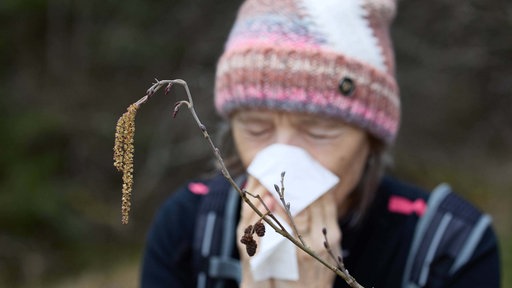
214 238
223 266
449 231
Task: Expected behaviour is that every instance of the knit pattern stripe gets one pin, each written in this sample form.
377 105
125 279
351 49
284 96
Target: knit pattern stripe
306 80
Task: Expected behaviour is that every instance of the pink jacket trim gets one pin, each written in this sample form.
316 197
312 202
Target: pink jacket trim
403 205
198 188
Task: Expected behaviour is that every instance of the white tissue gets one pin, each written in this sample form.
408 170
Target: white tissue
305 181
305 178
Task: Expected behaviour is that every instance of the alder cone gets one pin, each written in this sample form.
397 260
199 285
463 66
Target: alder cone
246 239
251 247
248 230
260 229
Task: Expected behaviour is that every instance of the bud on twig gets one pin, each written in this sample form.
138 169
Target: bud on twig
176 109
168 88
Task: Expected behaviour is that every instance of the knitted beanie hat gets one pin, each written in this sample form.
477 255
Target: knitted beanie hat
328 57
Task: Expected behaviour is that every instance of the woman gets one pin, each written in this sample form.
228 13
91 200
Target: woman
311 84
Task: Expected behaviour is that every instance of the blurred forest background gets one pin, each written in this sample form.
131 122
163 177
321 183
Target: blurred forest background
69 69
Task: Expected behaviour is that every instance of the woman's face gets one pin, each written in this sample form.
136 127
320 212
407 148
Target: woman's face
339 147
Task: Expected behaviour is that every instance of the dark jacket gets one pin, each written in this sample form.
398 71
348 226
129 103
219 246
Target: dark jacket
375 251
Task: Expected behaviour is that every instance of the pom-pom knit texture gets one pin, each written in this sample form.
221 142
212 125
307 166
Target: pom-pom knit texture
292 55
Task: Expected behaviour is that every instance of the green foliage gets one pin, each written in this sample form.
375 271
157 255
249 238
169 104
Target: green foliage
14 6
34 157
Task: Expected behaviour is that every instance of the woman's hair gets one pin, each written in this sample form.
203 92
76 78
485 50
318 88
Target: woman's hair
359 199
364 192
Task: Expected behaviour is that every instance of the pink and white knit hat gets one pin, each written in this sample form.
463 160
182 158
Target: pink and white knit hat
328 57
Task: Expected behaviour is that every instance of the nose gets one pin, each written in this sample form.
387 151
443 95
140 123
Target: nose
285 134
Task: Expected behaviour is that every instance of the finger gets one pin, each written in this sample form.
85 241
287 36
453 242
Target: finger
249 217
254 186
330 206
270 202
303 221
330 214
318 221
257 189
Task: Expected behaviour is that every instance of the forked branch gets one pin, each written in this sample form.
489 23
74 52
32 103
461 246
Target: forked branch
124 155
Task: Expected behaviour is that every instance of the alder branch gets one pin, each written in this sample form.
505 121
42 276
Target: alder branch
267 216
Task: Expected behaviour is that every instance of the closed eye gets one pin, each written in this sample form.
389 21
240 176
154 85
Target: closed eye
254 127
321 133
257 131
318 129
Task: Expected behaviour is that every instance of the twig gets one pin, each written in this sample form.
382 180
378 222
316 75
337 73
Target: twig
343 273
268 213
338 260
286 205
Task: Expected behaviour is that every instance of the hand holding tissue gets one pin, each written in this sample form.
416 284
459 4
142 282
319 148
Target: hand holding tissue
278 263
